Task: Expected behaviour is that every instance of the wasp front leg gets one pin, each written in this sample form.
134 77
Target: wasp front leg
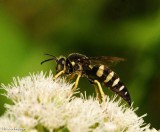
58 74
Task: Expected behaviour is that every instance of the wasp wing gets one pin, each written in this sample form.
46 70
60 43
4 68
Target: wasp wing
105 60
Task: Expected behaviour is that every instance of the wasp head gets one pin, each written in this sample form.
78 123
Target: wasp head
61 62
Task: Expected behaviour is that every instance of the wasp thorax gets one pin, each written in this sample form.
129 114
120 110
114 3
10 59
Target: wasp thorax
72 66
61 64
77 67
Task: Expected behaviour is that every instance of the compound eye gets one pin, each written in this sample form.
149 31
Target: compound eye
60 65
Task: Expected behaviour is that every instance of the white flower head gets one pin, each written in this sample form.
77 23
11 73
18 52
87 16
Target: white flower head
41 103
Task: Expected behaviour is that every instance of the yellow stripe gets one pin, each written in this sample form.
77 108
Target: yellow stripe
100 71
115 82
121 88
109 77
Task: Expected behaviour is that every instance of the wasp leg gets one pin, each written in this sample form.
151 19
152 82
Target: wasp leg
100 90
58 74
71 76
97 93
75 86
76 83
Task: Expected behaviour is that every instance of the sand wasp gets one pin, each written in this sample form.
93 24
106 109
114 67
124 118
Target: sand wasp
95 69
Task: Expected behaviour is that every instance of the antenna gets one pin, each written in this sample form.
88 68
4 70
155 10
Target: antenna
53 58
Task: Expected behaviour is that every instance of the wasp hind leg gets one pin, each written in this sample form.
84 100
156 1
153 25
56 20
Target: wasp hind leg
98 95
100 90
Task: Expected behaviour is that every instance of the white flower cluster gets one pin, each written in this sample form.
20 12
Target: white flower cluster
41 104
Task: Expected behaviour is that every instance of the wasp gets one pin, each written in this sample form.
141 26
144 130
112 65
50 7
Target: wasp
95 69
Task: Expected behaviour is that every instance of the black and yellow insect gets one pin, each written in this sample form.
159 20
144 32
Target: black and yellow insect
95 69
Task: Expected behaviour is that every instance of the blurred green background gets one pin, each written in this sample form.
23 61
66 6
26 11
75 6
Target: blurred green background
122 28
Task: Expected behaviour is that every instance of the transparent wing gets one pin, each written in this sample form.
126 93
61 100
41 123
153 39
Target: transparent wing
105 60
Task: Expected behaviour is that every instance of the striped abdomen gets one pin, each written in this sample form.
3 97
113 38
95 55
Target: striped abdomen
110 79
